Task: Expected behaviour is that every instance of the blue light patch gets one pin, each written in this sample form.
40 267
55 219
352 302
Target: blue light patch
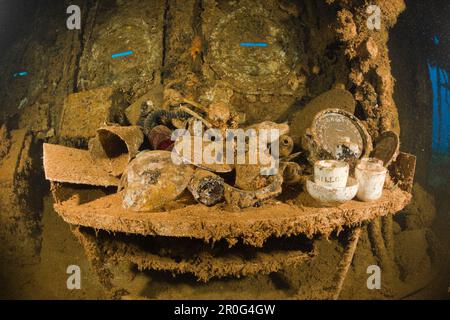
254 44
122 54
21 74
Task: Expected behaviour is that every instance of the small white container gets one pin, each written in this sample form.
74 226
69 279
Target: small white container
331 173
331 196
370 174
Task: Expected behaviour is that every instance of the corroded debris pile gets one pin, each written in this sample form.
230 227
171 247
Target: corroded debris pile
150 156
156 152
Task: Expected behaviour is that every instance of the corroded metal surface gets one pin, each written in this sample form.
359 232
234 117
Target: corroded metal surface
253 225
386 148
180 256
114 147
258 69
70 165
333 128
403 171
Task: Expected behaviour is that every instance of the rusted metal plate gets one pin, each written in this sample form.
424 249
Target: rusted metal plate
263 58
333 127
127 25
403 171
387 147
70 165
114 147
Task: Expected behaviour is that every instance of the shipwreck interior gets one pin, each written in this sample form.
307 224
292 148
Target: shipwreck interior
87 85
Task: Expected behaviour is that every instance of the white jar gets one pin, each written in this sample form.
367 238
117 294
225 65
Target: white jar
370 174
331 173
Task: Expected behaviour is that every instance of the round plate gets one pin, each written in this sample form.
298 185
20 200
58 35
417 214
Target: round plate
330 126
387 146
253 69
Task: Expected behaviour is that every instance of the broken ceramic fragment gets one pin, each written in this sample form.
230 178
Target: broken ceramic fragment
248 177
253 174
152 179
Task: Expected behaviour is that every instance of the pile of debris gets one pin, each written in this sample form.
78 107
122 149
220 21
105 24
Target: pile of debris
155 152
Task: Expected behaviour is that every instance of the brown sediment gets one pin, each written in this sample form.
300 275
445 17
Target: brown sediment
346 261
370 64
95 257
14 145
421 212
5 141
36 118
80 194
387 227
253 225
70 165
19 200
403 171
379 247
98 106
204 265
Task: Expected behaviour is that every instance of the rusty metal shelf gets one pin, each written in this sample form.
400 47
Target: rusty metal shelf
252 225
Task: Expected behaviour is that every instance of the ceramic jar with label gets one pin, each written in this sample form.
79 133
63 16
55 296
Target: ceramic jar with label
331 173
